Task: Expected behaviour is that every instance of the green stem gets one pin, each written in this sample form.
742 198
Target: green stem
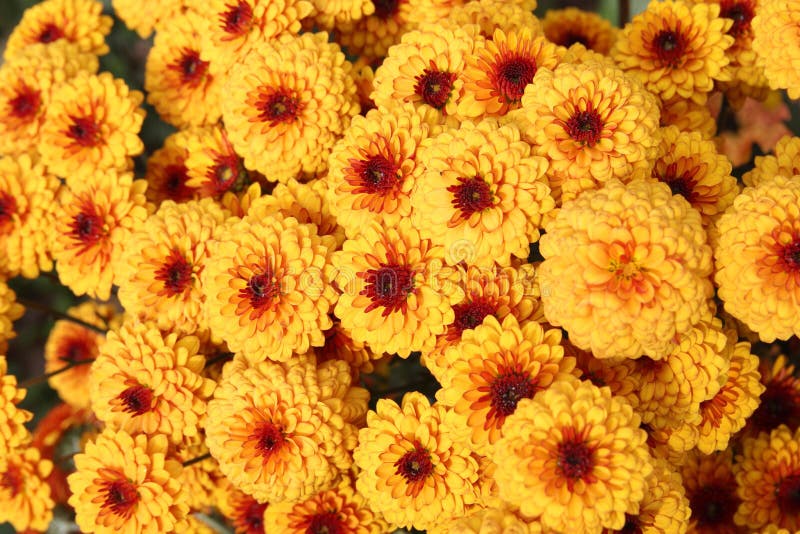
47 376
197 460
33 305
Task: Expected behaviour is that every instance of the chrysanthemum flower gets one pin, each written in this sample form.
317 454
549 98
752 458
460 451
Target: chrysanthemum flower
71 344
94 221
200 479
626 269
568 26
339 345
768 480
501 520
411 470
25 499
426 68
167 175
125 483
279 430
372 36
92 124
396 294
374 167
27 202
179 83
481 189
340 509
491 15
591 122
692 167
573 456
780 402
10 311
212 164
711 489
758 258
500 68
777 42
79 22
244 512
13 433
688 116
268 291
784 160
327 14
286 104
146 381
676 48
618 374
493 368
161 268
144 16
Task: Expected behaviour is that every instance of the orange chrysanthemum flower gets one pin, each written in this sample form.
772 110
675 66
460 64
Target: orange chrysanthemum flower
268 290
482 190
79 22
25 499
244 512
339 345
125 483
13 433
412 471
776 41
493 368
688 116
95 219
10 311
212 164
565 27
626 269
282 432
92 124
500 68
179 83
758 258
161 268
328 14
167 175
780 402
71 344
501 520
618 374
144 16
784 160
711 489
591 122
27 202
372 36
396 294
374 167
573 456
491 15
287 103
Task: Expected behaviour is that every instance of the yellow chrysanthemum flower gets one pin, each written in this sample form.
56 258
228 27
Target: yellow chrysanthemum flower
13 433
374 167
268 289
482 194
144 16
329 14
500 68
626 269
25 495
784 160
92 124
491 15
619 374
179 83
279 430
493 368
426 68
71 344
489 520
145 381
10 311
127 484
565 27
688 116
573 456
94 220
396 294
371 36
412 471
244 512
27 202
776 41
711 489
692 168
768 480
287 103
591 122
758 258
161 267
676 48
167 175
79 22
212 164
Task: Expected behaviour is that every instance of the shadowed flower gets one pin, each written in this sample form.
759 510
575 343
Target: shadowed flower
568 26
244 512
780 402
711 489
371 36
212 165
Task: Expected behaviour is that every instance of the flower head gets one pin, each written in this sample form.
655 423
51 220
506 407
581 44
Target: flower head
776 42
371 36
568 26
25 499
711 489
167 175
784 160
144 16
780 401
664 507
13 433
490 15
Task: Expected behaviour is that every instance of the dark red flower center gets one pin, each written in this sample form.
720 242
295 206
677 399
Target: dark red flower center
177 176
87 226
471 195
787 494
434 86
790 255
8 208
415 466
75 350
26 103
121 497
385 8
224 174
279 106
389 286
269 438
571 38
252 521
325 523
510 386
680 183
512 75
669 47
12 479
469 315
742 13
238 19
574 458
262 289
85 131
192 69
377 175
585 126
50 32
137 399
713 505
780 404
175 273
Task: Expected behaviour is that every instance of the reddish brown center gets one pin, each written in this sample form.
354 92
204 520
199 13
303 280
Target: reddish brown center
262 289
12 480
84 131
471 195
50 32
279 106
75 350
87 226
682 183
238 19
120 497
434 86
469 315
742 13
377 175
787 494
385 8
510 386
252 521
191 68
26 103
269 438
137 399
713 505
177 176
224 174
585 127
389 286
669 47
415 466
8 208
574 458
571 38
326 523
175 273
780 404
512 75
791 255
